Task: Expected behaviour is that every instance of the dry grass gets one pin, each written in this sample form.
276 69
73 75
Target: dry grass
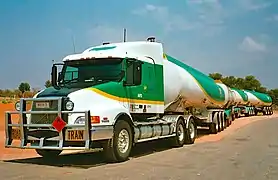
8 100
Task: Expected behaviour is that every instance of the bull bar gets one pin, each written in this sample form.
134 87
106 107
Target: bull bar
99 132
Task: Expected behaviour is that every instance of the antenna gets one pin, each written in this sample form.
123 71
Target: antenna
124 34
72 38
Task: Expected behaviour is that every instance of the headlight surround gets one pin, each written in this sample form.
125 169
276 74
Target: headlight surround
69 105
80 120
17 105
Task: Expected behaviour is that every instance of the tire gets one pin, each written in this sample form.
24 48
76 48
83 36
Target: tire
191 132
256 112
267 111
225 120
179 139
220 121
229 119
112 150
213 127
247 114
45 153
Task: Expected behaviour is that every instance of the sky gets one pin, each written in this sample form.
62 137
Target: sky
232 37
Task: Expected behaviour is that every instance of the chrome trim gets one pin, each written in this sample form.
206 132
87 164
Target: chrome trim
91 133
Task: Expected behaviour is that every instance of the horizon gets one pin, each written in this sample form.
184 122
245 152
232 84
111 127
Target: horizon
241 34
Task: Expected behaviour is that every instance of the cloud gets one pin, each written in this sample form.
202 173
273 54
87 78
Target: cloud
272 18
250 45
162 15
254 5
207 14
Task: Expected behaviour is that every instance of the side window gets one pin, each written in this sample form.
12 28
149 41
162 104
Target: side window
71 73
137 73
134 73
129 73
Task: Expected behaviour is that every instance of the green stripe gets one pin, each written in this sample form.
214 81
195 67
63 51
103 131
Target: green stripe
102 48
261 96
207 83
242 94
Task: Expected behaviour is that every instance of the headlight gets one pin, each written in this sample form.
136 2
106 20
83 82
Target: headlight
69 105
80 120
17 106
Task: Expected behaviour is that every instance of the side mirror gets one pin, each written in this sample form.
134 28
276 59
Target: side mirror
54 77
59 77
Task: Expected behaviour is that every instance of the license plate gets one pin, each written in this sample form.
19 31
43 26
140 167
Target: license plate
75 135
42 105
15 133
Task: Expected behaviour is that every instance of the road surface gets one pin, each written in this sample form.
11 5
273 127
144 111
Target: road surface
250 152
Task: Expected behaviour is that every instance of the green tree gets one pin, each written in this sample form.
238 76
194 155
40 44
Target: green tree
273 93
47 83
249 82
24 86
216 76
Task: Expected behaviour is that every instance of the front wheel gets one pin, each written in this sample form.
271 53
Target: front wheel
48 153
119 147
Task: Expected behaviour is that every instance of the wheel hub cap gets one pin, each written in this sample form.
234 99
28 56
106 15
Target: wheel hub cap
123 141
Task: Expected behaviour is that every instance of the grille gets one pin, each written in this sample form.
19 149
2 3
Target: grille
44 118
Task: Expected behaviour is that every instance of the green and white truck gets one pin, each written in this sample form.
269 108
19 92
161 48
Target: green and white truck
115 95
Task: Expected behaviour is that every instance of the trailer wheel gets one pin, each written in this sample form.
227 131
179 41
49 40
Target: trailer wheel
236 115
119 147
256 112
213 127
271 111
228 119
224 120
220 122
267 111
179 139
46 153
191 132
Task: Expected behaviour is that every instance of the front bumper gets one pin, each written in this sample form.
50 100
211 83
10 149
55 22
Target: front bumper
45 136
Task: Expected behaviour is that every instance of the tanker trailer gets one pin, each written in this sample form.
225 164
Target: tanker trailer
229 109
259 102
113 96
188 88
240 103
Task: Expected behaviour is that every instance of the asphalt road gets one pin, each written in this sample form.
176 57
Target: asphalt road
249 153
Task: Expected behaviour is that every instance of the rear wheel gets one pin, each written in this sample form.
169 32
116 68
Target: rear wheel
213 127
220 120
179 139
48 153
119 147
191 132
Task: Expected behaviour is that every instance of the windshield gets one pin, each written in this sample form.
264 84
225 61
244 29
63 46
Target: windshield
83 73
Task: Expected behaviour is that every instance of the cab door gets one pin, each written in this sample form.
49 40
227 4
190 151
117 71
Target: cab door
141 87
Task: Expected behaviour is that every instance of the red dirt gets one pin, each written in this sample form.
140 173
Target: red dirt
6 153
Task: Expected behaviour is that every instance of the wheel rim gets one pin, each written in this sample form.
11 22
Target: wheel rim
181 132
192 130
123 141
